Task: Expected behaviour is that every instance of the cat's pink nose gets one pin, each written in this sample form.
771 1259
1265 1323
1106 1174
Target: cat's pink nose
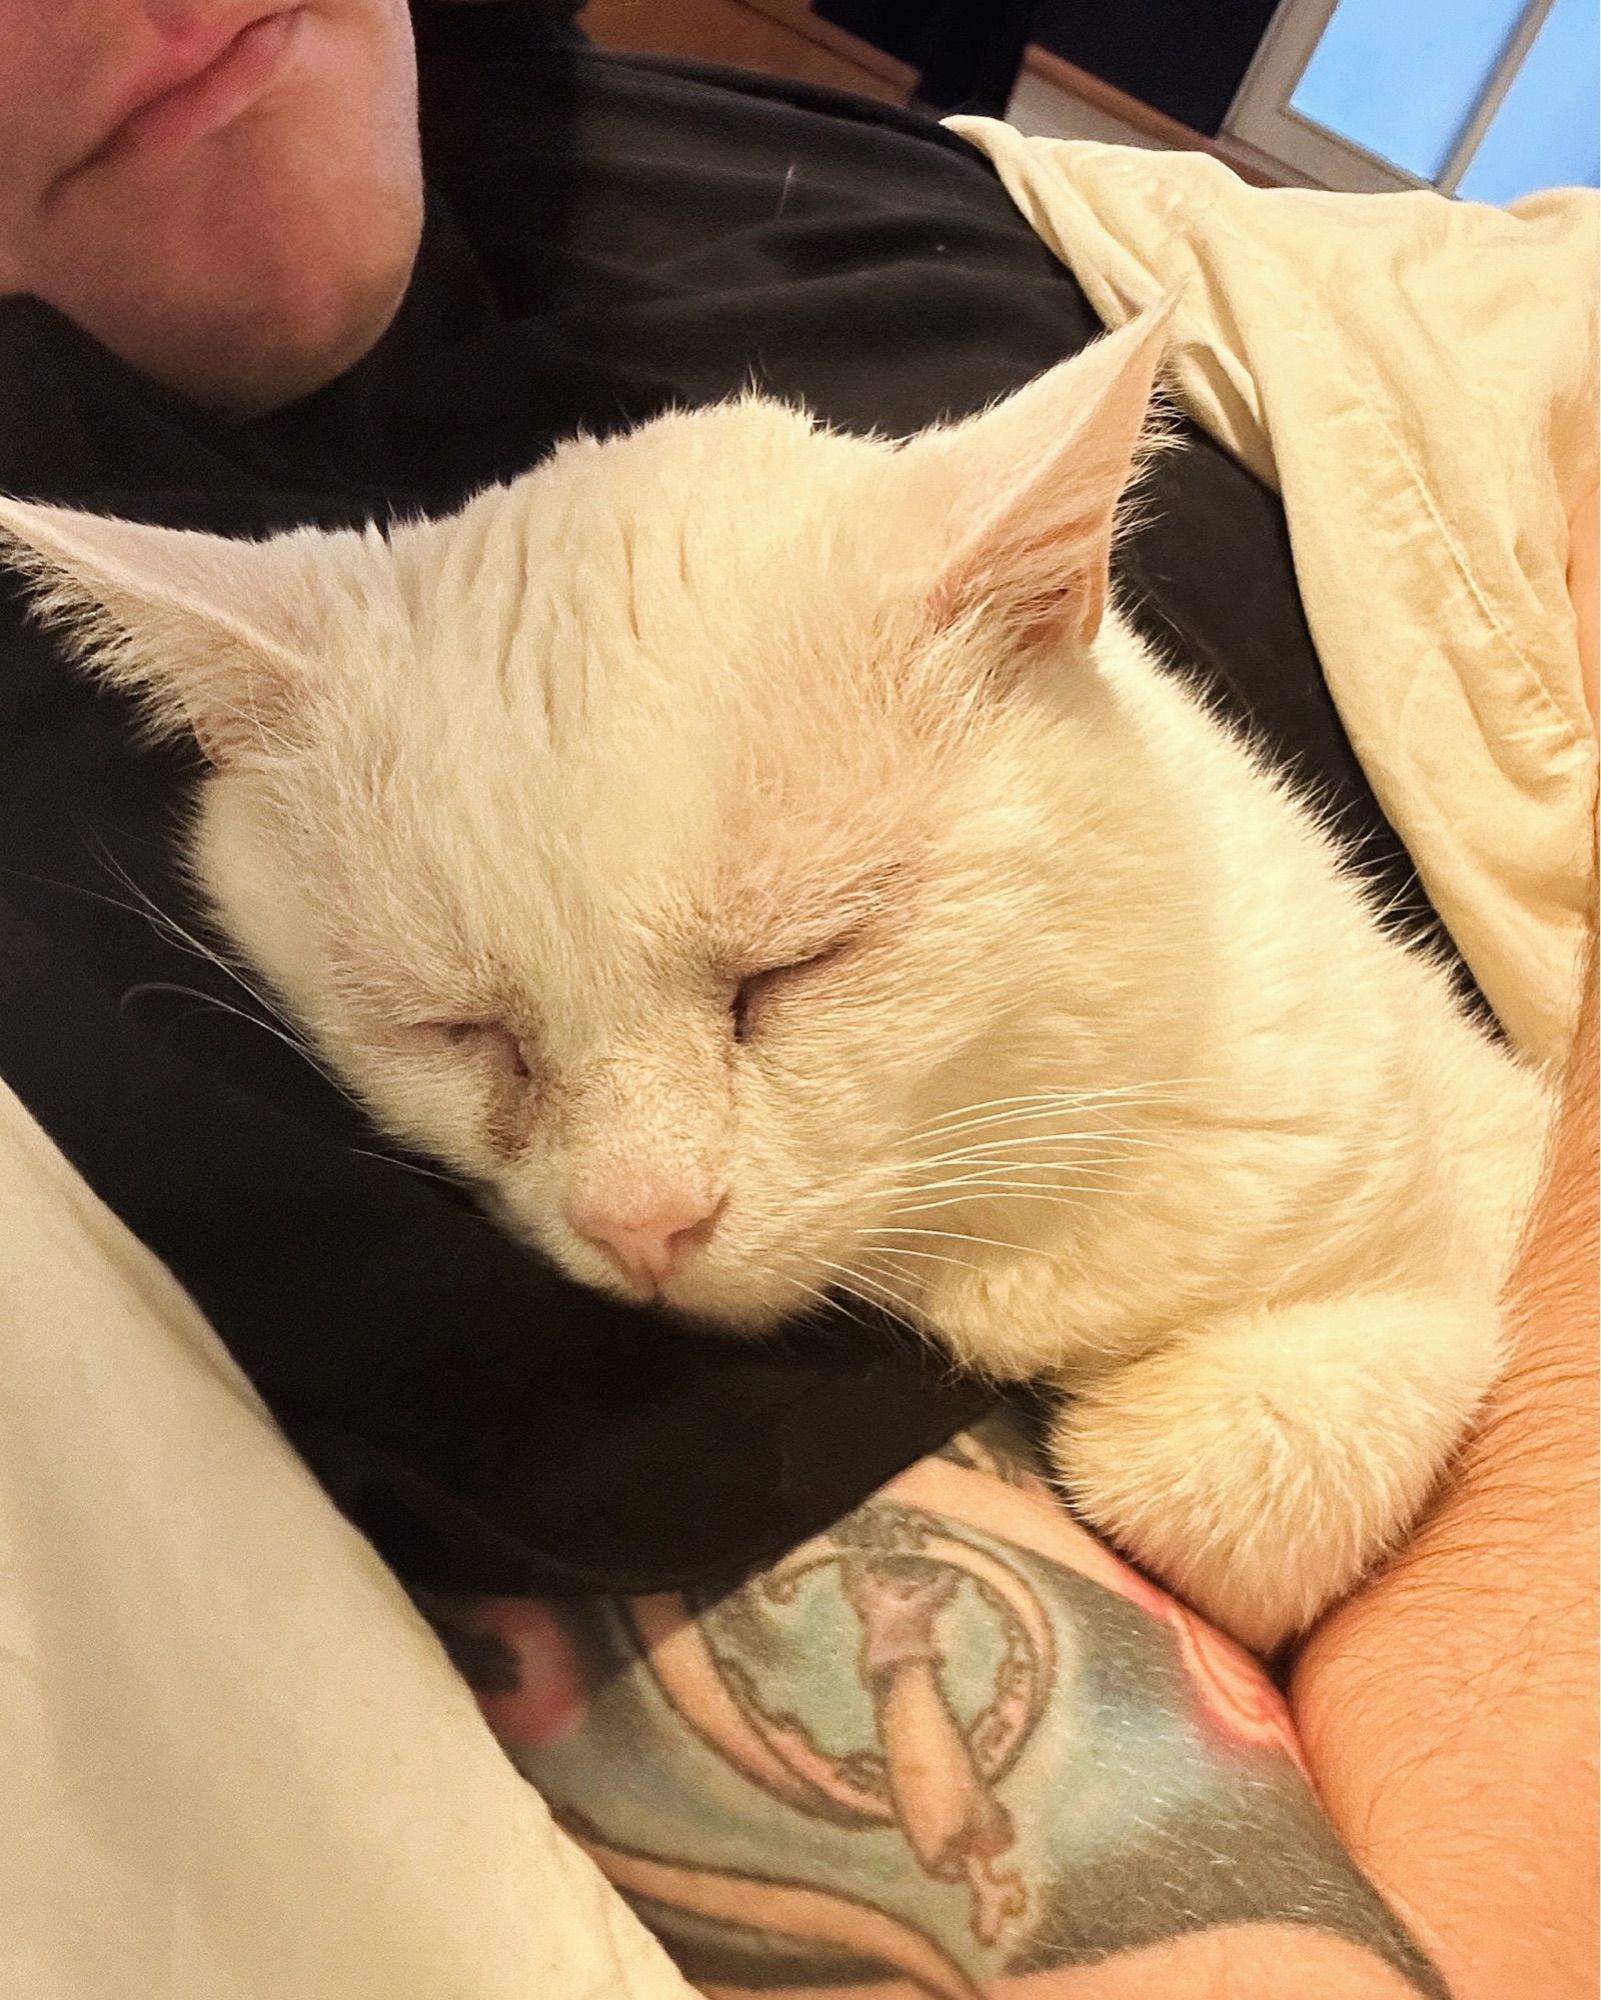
645 1233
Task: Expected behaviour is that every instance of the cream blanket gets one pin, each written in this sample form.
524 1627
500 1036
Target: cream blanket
1417 378
237 1764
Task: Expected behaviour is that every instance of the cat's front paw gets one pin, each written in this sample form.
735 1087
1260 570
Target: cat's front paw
1261 1466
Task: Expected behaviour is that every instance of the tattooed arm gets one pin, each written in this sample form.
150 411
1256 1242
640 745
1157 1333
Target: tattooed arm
951 1748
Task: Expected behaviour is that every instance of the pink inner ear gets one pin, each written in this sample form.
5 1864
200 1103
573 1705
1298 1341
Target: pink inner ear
1052 463
214 634
1043 572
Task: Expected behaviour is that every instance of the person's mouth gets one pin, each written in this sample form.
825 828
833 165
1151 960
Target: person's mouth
210 71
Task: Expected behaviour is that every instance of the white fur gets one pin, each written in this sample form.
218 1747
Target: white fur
1116 1081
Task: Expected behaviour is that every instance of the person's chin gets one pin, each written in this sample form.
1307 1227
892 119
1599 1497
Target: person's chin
262 345
264 370
249 285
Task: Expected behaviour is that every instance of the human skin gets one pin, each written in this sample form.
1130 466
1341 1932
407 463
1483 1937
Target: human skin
1450 1710
245 263
951 1747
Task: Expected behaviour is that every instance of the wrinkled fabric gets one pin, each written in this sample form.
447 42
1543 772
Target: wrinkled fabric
238 1765
1418 379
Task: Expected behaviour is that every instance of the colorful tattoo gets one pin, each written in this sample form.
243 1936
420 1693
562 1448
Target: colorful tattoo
946 1748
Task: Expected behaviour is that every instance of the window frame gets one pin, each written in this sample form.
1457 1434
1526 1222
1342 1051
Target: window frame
1262 116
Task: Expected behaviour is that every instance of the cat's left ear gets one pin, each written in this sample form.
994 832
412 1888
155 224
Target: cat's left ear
1036 482
212 634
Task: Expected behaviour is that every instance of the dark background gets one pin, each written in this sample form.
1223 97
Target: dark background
1184 57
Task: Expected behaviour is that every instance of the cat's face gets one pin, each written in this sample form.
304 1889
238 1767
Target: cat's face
673 843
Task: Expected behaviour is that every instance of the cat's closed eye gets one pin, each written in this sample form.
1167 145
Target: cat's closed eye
756 987
492 1041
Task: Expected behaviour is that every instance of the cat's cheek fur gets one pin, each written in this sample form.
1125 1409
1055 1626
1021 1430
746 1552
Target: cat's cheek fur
239 852
262 874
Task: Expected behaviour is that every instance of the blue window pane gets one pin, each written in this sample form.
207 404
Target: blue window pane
1401 77
1547 132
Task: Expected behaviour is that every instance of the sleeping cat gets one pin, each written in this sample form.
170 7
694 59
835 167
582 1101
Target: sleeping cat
766 865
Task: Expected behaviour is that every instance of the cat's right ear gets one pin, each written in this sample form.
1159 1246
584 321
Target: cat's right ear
211 634
1035 483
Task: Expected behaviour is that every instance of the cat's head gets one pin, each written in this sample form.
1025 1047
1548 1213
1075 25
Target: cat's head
683 841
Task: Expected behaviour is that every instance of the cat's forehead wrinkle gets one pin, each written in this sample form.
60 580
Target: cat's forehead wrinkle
401 955
672 519
731 572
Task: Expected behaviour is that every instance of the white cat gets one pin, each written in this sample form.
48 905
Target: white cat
764 863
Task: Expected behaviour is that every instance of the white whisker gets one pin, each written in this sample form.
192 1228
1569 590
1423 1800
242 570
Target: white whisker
977 1161
279 1034
967 1236
1038 1103
405 1166
165 924
835 1298
927 1257
1003 1174
849 1281
1095 1136
1035 1193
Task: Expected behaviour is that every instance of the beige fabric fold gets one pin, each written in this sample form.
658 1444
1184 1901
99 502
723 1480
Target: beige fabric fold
1418 378
237 1766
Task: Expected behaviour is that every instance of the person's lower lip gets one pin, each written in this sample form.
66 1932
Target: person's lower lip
214 98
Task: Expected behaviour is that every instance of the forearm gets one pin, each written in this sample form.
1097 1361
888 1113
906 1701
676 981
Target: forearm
1449 1711
953 1747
